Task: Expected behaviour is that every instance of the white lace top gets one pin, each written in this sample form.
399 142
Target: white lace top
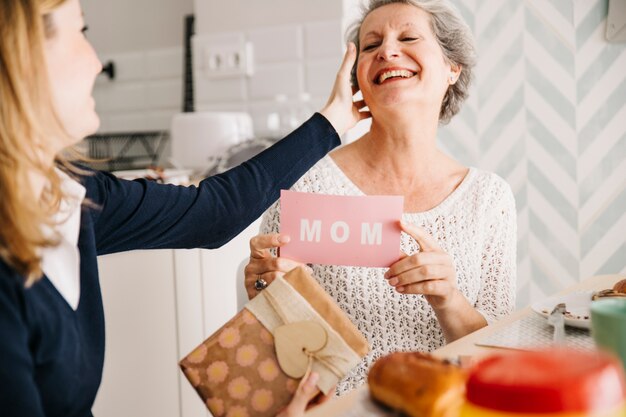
476 224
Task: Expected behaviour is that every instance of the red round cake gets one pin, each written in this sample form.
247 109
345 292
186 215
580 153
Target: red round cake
550 381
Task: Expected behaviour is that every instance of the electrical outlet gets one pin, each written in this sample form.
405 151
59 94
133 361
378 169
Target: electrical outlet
224 56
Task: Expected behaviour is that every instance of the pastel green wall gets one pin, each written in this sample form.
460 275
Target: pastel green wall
548 113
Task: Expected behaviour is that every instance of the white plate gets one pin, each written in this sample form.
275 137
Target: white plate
576 304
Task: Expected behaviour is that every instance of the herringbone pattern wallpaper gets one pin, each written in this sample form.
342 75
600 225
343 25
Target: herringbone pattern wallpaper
548 113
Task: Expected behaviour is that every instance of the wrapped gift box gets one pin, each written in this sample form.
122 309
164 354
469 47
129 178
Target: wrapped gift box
253 364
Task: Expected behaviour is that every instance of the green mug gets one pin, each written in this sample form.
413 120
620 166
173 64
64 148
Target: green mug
608 326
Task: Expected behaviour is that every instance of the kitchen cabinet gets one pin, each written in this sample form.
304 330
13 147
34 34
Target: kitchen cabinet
159 305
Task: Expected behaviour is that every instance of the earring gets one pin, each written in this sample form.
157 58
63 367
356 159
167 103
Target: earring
451 78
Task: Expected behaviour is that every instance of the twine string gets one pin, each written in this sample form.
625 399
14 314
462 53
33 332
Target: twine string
324 359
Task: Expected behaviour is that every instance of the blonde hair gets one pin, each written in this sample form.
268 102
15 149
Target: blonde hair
454 37
27 118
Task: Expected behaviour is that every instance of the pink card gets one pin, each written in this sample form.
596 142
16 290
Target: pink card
341 230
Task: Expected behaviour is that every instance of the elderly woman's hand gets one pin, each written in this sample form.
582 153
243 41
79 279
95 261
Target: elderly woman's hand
430 271
263 266
341 110
307 395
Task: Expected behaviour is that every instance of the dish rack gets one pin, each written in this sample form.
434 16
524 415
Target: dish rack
123 151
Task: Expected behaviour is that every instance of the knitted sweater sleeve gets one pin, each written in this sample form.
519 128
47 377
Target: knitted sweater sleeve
496 297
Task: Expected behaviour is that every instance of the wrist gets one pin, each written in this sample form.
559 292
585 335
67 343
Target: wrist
450 303
332 118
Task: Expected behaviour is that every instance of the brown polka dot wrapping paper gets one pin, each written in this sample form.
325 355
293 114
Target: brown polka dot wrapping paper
237 372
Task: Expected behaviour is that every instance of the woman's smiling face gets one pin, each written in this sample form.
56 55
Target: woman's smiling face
400 61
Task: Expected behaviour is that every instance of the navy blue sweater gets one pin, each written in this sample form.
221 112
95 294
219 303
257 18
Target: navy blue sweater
51 356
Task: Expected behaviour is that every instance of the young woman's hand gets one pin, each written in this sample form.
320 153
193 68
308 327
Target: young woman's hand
307 395
265 266
430 271
341 110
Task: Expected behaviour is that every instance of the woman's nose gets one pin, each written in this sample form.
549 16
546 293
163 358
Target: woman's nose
96 64
388 50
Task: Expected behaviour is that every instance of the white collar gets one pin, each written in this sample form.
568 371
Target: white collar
61 263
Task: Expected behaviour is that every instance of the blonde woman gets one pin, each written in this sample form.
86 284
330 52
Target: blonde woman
458 269
55 218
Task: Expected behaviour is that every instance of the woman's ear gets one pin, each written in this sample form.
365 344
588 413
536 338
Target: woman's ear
455 73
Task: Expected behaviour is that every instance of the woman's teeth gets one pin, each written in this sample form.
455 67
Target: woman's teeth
395 73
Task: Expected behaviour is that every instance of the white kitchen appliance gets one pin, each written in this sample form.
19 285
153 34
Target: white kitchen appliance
199 138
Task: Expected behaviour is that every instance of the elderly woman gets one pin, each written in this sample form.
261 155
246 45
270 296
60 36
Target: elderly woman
457 272
56 218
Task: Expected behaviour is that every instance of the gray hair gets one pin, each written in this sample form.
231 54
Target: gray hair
454 37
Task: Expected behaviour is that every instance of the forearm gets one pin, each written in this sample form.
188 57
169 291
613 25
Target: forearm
459 318
252 187
292 156
145 215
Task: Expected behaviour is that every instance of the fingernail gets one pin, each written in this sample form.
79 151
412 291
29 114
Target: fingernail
283 239
309 269
393 281
400 289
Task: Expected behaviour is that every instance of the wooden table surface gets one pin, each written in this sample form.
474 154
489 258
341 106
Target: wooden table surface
465 346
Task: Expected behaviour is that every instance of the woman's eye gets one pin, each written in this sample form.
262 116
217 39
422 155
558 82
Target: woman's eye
369 47
408 39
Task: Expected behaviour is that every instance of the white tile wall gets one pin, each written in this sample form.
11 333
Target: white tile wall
320 75
102 95
224 90
165 63
167 93
146 92
160 119
128 66
235 107
323 40
260 112
276 44
275 79
105 123
123 96
291 60
128 122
